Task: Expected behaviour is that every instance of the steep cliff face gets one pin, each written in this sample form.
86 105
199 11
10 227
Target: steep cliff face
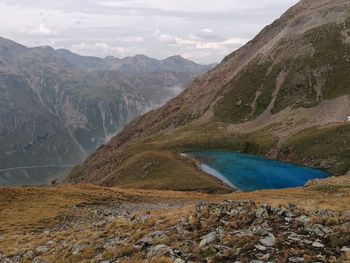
282 95
53 111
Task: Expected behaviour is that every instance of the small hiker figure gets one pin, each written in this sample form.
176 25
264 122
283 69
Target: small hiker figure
53 183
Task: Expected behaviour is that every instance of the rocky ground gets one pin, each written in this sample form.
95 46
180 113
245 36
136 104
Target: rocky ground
228 231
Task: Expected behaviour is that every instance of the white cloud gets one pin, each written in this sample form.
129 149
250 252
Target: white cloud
198 43
165 38
133 39
207 30
101 48
41 30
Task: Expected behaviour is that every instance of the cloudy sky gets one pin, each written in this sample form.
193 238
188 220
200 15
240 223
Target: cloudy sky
202 30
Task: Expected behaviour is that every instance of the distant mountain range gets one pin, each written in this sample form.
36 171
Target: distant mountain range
284 95
56 107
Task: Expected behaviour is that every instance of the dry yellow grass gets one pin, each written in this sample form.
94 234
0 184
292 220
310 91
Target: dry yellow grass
26 212
30 208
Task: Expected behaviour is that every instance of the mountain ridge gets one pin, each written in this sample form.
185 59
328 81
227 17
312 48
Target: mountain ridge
114 63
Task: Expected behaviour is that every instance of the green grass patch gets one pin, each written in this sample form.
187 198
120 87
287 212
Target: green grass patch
165 171
327 148
239 94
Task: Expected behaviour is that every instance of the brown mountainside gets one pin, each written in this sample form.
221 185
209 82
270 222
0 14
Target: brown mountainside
284 95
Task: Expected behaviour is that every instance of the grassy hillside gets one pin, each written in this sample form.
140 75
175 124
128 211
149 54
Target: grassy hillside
319 73
325 147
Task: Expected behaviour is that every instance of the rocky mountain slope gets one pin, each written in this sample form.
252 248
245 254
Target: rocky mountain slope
284 95
57 107
96 224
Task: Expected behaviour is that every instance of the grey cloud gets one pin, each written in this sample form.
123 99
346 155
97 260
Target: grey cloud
92 7
135 26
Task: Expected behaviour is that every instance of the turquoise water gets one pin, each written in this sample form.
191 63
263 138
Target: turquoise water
251 173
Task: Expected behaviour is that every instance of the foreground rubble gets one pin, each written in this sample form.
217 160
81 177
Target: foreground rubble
230 231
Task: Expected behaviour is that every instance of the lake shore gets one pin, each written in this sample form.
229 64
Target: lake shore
211 172
248 173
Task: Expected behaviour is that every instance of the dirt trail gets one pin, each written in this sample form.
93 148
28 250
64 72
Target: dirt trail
36 166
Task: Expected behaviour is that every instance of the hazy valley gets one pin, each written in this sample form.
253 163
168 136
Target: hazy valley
57 107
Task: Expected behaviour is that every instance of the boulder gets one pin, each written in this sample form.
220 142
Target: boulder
268 241
317 244
42 249
207 239
159 250
263 212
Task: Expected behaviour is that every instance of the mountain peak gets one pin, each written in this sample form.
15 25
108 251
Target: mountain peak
319 3
141 57
179 57
4 42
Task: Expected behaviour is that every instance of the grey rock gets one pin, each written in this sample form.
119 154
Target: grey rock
306 241
160 250
243 233
296 259
303 219
317 244
316 229
41 249
161 222
150 239
144 242
112 243
268 241
265 257
76 250
260 247
207 239
346 214
222 250
294 237
224 222
227 208
262 212
157 235
187 246
51 243
288 219
28 255
260 229
220 231
323 213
